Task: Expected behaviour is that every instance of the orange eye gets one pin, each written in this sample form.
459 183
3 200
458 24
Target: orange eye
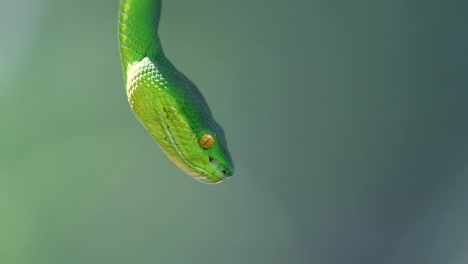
206 141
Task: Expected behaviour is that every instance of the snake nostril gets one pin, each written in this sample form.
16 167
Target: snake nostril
223 172
210 158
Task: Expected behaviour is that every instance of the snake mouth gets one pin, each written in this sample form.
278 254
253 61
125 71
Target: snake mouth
213 172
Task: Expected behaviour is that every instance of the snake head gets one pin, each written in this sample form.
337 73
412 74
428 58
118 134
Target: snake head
175 113
206 160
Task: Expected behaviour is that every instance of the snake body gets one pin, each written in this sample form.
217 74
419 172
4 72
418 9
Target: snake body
165 101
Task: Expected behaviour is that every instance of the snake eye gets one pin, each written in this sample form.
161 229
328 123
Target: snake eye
206 141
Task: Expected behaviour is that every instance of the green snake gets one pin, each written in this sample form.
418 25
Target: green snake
165 101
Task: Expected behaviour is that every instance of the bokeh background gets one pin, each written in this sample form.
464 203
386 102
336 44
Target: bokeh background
347 122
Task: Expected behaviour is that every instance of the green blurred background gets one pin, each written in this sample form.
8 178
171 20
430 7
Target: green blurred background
347 122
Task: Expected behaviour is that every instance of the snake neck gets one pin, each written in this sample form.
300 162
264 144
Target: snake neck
138 32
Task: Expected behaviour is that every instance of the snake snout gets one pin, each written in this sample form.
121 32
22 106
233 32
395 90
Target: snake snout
221 169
